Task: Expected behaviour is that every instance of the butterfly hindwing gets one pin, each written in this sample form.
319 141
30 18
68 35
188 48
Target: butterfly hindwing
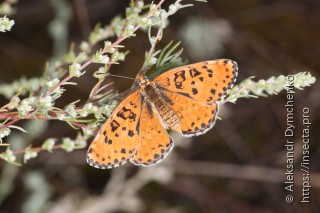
195 118
154 142
117 140
206 82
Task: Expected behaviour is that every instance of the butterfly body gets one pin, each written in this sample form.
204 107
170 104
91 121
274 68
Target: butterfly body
185 99
158 102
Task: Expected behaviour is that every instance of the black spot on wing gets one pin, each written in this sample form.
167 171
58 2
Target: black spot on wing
184 94
138 126
125 114
179 78
210 99
178 85
135 105
194 72
114 125
138 123
194 91
130 133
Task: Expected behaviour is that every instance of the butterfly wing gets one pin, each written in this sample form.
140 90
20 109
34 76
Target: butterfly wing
205 82
195 118
117 140
155 143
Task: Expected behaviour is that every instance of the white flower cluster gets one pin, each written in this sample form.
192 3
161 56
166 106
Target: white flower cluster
4 132
48 144
71 110
45 102
6 24
100 58
9 90
68 144
8 155
129 30
90 108
14 103
118 56
108 109
271 86
303 79
75 70
30 153
26 105
52 83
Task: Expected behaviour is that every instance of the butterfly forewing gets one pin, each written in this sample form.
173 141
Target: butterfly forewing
206 82
118 140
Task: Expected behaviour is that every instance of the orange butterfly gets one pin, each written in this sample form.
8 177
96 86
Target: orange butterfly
184 99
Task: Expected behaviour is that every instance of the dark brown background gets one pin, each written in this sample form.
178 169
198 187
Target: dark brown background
267 38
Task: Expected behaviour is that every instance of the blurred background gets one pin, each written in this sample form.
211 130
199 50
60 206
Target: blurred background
238 166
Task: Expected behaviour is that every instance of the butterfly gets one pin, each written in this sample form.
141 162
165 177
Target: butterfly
185 99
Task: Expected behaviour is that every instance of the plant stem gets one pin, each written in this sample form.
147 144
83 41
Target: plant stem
10 123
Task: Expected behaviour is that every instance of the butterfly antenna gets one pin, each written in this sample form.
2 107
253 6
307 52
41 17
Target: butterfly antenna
120 76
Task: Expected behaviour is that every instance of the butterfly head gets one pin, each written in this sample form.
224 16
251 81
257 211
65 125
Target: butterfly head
143 81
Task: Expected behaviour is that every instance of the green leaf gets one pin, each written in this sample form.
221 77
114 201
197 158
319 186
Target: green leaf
168 59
